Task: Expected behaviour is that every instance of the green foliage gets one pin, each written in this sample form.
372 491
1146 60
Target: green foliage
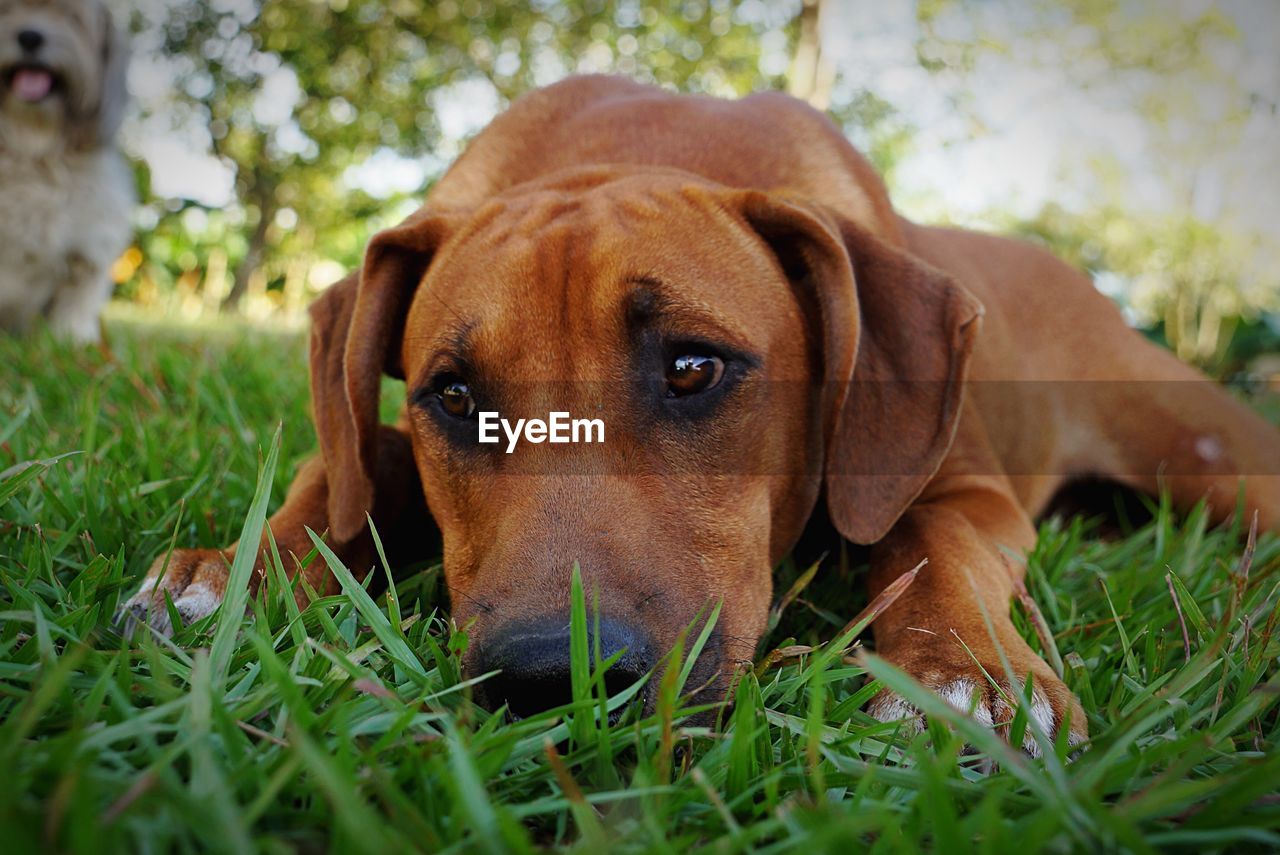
1190 280
347 726
364 77
298 96
1197 259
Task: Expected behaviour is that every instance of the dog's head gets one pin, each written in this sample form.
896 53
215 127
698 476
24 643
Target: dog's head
742 351
62 74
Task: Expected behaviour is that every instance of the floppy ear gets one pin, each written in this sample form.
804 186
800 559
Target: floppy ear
896 339
99 114
356 331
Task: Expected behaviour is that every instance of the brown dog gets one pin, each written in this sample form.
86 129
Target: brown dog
726 286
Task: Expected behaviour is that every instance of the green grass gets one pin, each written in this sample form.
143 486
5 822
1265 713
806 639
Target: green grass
348 726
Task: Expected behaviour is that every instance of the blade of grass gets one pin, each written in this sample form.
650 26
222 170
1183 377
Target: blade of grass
391 638
581 726
237 591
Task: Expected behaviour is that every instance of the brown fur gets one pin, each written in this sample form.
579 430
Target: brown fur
755 225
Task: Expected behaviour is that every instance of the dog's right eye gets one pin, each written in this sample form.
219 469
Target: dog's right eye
455 397
691 374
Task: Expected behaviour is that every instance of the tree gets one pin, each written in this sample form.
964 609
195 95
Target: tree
1193 259
295 93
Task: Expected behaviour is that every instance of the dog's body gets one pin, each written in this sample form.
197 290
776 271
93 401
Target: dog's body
601 233
67 195
63 223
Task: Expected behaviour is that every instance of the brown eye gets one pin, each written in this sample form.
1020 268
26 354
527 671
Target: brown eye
693 373
455 397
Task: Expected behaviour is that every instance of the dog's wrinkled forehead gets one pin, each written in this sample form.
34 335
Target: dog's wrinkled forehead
579 264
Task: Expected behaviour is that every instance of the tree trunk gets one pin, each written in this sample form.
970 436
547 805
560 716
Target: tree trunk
253 257
811 77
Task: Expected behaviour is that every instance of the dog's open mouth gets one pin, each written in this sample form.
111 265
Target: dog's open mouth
31 84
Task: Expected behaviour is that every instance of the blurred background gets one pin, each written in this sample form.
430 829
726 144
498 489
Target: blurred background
1139 139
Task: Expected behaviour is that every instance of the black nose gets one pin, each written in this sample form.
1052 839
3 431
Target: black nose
31 40
533 659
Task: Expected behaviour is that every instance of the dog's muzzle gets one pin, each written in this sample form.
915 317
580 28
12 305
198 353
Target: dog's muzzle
532 659
29 79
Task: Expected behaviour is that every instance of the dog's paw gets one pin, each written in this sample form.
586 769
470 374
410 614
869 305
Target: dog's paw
986 692
195 579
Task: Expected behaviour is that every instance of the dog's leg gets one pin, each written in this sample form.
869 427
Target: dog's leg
76 309
1176 430
196 579
974 534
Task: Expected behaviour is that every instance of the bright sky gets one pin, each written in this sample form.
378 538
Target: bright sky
1038 126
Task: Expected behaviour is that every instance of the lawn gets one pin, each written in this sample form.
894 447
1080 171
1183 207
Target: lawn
349 727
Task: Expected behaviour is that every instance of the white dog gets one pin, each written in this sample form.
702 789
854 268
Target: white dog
66 194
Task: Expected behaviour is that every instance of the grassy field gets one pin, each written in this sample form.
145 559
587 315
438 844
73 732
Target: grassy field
348 726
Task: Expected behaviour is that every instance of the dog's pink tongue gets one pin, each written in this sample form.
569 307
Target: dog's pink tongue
32 84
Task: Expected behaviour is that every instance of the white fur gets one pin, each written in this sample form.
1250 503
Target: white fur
891 707
66 194
964 696
197 601
1041 718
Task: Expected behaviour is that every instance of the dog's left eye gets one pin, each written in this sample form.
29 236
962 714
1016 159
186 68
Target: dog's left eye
692 373
455 397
